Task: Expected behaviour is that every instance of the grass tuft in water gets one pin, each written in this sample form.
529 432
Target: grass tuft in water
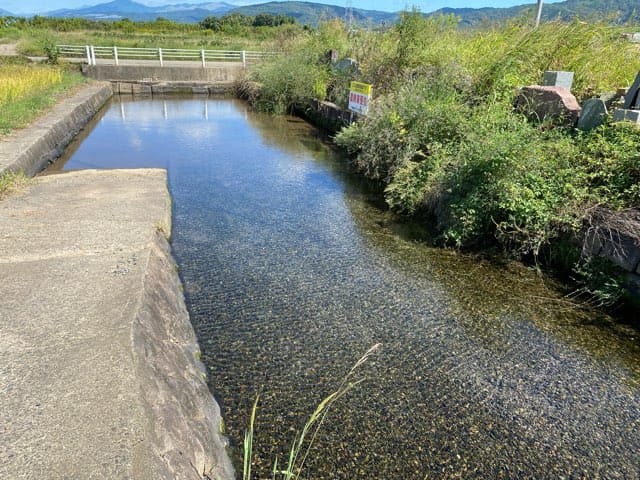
303 441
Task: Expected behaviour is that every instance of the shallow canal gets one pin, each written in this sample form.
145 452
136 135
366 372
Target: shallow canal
292 271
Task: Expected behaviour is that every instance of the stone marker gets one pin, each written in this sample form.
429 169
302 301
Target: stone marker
556 78
347 65
635 37
631 98
626 115
594 113
544 102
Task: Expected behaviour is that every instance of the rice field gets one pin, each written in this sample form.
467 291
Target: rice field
26 90
18 81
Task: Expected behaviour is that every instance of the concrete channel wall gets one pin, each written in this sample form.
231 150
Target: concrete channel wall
29 150
220 73
99 363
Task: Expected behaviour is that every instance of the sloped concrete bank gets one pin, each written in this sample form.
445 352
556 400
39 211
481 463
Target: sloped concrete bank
31 149
99 366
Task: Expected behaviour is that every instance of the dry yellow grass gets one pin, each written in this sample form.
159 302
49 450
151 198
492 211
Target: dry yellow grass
17 81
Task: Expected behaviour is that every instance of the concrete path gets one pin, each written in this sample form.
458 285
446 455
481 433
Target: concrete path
98 370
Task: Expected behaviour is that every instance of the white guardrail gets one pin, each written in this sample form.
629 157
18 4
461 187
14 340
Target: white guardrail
91 53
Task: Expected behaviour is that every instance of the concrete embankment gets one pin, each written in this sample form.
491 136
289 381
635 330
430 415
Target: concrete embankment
98 360
31 149
221 73
99 369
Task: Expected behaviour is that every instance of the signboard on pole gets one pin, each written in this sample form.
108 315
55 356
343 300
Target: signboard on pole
359 97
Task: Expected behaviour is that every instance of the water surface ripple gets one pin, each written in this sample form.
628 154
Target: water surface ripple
291 272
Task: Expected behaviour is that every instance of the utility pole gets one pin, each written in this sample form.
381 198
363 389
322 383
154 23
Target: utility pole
539 13
348 14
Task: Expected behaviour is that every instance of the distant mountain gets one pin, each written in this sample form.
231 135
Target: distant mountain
118 9
615 11
312 13
4 13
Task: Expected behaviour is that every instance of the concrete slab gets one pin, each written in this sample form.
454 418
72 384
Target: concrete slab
98 369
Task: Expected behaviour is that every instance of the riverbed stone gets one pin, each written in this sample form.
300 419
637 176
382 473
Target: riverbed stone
543 103
98 359
593 114
558 78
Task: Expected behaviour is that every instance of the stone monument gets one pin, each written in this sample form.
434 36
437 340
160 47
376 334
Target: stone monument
594 113
558 78
631 109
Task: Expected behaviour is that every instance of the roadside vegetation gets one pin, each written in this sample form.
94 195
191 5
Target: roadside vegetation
445 144
26 89
232 32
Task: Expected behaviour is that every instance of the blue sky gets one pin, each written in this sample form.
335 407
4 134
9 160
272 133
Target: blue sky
39 6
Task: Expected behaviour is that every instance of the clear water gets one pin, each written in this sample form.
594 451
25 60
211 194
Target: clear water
292 271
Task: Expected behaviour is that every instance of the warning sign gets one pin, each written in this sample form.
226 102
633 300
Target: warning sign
359 97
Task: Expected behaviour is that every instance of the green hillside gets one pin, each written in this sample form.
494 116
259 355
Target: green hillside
312 13
615 11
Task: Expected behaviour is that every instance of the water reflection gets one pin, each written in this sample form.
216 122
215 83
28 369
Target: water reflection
291 272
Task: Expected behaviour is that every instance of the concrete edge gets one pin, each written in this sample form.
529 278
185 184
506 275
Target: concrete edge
183 418
33 148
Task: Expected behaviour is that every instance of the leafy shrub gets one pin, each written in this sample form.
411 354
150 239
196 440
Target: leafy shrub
510 182
405 127
302 74
611 159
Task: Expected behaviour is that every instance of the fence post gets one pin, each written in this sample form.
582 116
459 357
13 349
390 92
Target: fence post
86 47
203 60
160 57
244 59
115 54
93 55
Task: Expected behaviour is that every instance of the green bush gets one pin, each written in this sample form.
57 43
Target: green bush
404 127
611 160
303 73
509 181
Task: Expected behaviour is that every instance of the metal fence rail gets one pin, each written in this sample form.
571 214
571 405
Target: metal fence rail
91 53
